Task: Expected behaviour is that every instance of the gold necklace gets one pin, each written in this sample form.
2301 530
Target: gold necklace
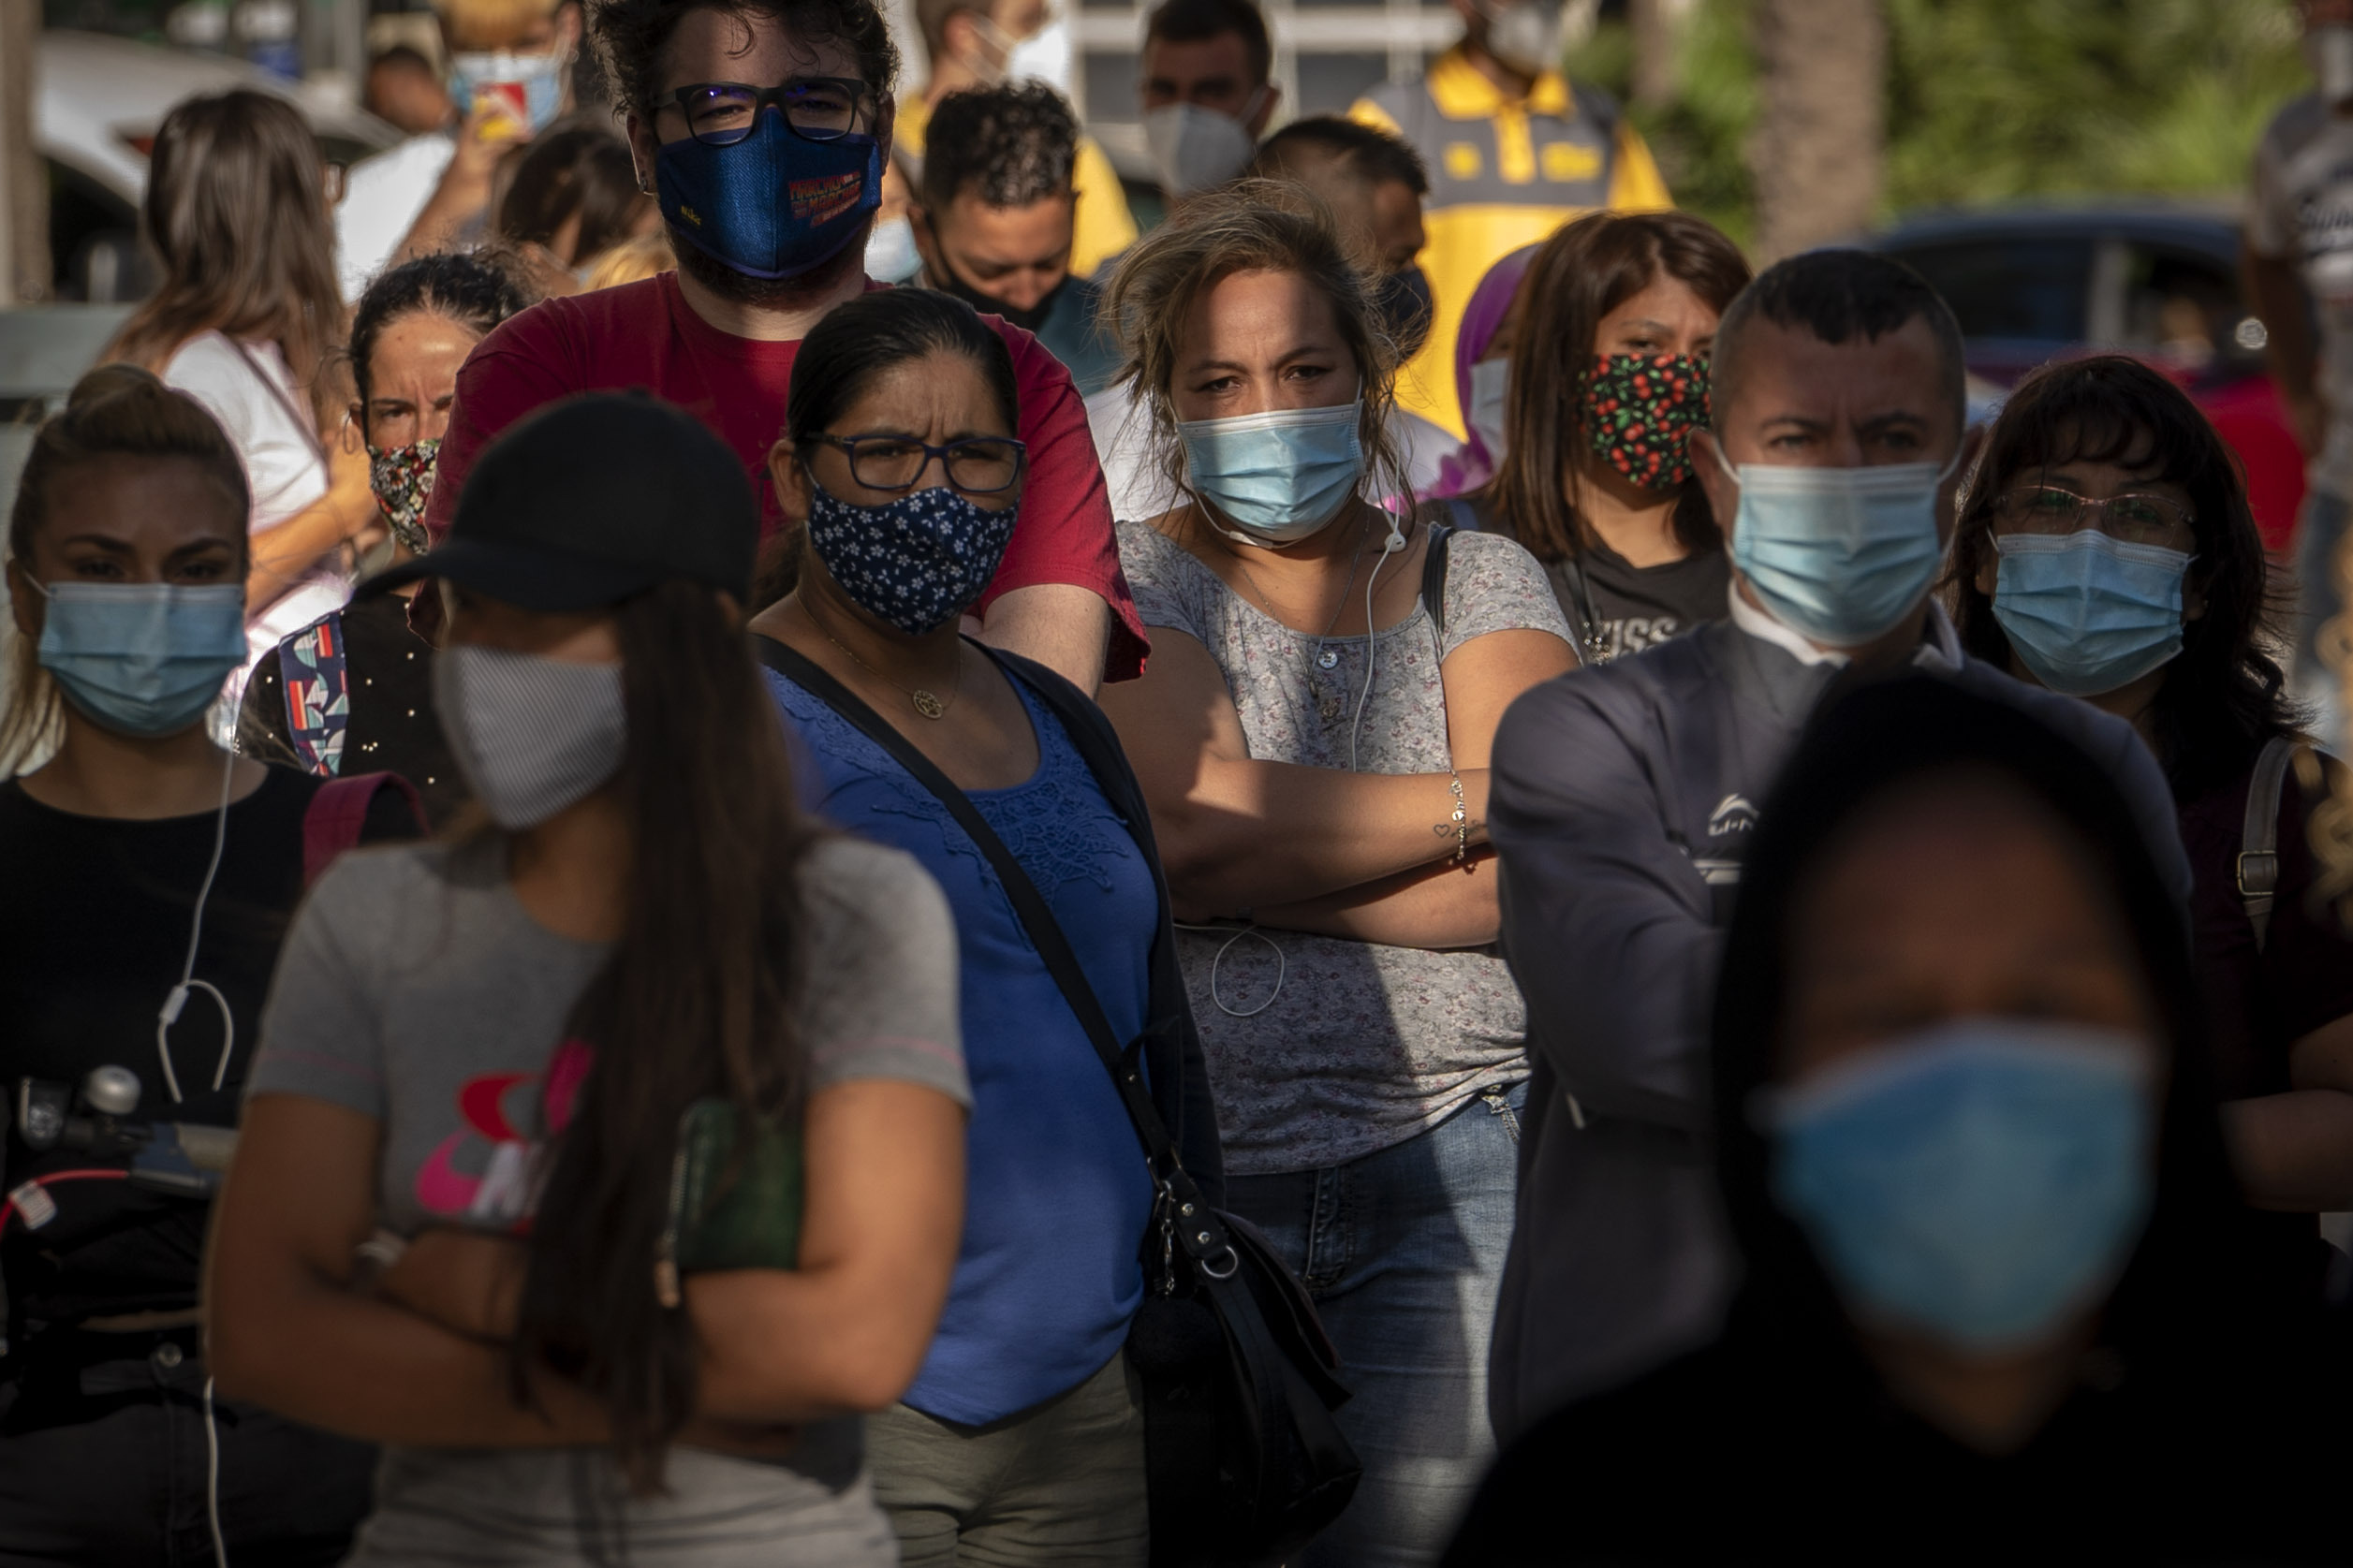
922 701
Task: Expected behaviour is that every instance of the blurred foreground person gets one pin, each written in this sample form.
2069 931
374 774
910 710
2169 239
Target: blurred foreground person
245 321
1482 380
150 879
995 222
1624 799
738 110
1997 1301
1312 736
1022 1439
2107 553
1617 316
355 688
2300 277
648 1089
1514 151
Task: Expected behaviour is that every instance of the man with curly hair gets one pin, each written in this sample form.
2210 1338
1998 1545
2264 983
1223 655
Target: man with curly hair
997 216
761 126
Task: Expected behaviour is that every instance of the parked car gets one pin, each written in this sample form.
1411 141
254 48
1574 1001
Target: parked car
97 103
2033 284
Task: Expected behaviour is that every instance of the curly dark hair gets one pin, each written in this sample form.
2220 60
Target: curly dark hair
630 36
2224 694
1011 145
475 291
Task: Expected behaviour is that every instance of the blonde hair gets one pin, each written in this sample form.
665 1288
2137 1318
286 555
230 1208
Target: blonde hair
634 260
491 25
1252 226
116 411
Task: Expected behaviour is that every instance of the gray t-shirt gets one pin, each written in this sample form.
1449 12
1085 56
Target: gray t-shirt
415 990
2303 212
1348 1047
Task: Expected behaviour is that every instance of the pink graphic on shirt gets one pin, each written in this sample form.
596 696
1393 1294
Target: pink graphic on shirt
506 1188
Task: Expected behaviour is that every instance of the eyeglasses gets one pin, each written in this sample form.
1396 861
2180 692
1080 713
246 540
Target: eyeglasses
815 109
977 466
2134 518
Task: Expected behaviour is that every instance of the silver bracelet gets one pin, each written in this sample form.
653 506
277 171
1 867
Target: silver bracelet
1461 820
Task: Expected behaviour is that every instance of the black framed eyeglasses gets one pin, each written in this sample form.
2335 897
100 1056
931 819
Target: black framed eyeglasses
977 465
815 109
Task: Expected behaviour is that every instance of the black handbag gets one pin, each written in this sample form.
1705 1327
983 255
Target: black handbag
1245 1464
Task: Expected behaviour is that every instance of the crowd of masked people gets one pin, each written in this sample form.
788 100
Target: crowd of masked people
760 841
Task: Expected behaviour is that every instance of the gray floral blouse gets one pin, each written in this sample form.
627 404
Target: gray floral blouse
1323 1049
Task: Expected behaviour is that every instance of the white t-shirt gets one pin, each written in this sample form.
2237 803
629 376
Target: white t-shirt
1122 428
381 198
2304 212
286 467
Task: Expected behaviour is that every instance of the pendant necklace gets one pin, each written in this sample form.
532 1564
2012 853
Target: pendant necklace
1325 658
923 701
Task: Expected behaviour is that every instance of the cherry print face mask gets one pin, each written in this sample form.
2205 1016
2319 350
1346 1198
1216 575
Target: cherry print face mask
1638 409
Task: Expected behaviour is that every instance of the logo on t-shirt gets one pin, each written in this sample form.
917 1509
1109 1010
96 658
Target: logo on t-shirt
1732 815
490 1171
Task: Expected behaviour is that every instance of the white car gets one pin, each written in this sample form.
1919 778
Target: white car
97 103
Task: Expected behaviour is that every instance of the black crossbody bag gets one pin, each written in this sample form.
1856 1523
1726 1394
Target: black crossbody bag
1244 1462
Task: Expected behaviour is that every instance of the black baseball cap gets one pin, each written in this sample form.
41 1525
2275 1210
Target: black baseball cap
592 501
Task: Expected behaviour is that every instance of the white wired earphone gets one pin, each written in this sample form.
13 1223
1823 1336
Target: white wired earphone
177 998
1390 546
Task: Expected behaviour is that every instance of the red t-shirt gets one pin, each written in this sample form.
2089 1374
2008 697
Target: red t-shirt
646 334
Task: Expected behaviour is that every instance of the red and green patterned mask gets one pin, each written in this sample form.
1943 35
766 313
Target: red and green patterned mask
1638 409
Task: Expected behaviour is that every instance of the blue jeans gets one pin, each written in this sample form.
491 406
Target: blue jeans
1403 1252
2319 529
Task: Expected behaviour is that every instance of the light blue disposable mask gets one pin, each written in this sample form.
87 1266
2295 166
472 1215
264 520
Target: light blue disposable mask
1980 1181
1839 555
541 76
1280 477
142 658
2088 613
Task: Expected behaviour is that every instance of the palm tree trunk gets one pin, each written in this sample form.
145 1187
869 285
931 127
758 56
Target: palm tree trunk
1818 151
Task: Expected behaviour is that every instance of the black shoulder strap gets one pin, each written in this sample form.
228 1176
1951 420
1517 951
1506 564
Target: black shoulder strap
2258 839
1434 576
1201 1234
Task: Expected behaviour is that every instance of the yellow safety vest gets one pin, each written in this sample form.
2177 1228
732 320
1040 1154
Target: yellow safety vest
1103 225
1504 173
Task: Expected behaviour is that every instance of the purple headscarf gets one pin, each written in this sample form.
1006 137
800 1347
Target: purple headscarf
1471 465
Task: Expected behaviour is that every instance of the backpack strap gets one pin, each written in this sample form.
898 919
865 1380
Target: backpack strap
338 818
2258 839
1433 576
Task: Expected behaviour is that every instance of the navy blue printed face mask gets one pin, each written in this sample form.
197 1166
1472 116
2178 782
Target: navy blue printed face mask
774 205
916 562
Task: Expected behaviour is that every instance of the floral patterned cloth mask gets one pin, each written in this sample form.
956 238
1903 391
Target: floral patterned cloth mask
1638 409
915 562
402 478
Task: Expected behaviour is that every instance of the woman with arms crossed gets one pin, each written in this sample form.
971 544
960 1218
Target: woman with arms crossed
503 1036
1312 736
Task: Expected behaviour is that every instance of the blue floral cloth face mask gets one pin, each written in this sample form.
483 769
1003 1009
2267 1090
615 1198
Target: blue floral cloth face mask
142 658
1978 1181
916 562
2086 613
774 204
1839 555
1279 478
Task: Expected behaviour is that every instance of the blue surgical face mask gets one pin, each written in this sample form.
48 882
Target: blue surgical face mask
916 562
1280 477
541 76
774 205
142 658
1839 555
2088 613
1978 1182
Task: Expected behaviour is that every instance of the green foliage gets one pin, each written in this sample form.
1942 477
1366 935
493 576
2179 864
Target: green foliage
1991 100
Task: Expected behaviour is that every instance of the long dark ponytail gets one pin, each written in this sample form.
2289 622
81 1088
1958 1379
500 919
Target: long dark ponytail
699 998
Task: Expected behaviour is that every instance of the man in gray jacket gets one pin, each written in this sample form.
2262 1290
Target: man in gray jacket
1624 795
